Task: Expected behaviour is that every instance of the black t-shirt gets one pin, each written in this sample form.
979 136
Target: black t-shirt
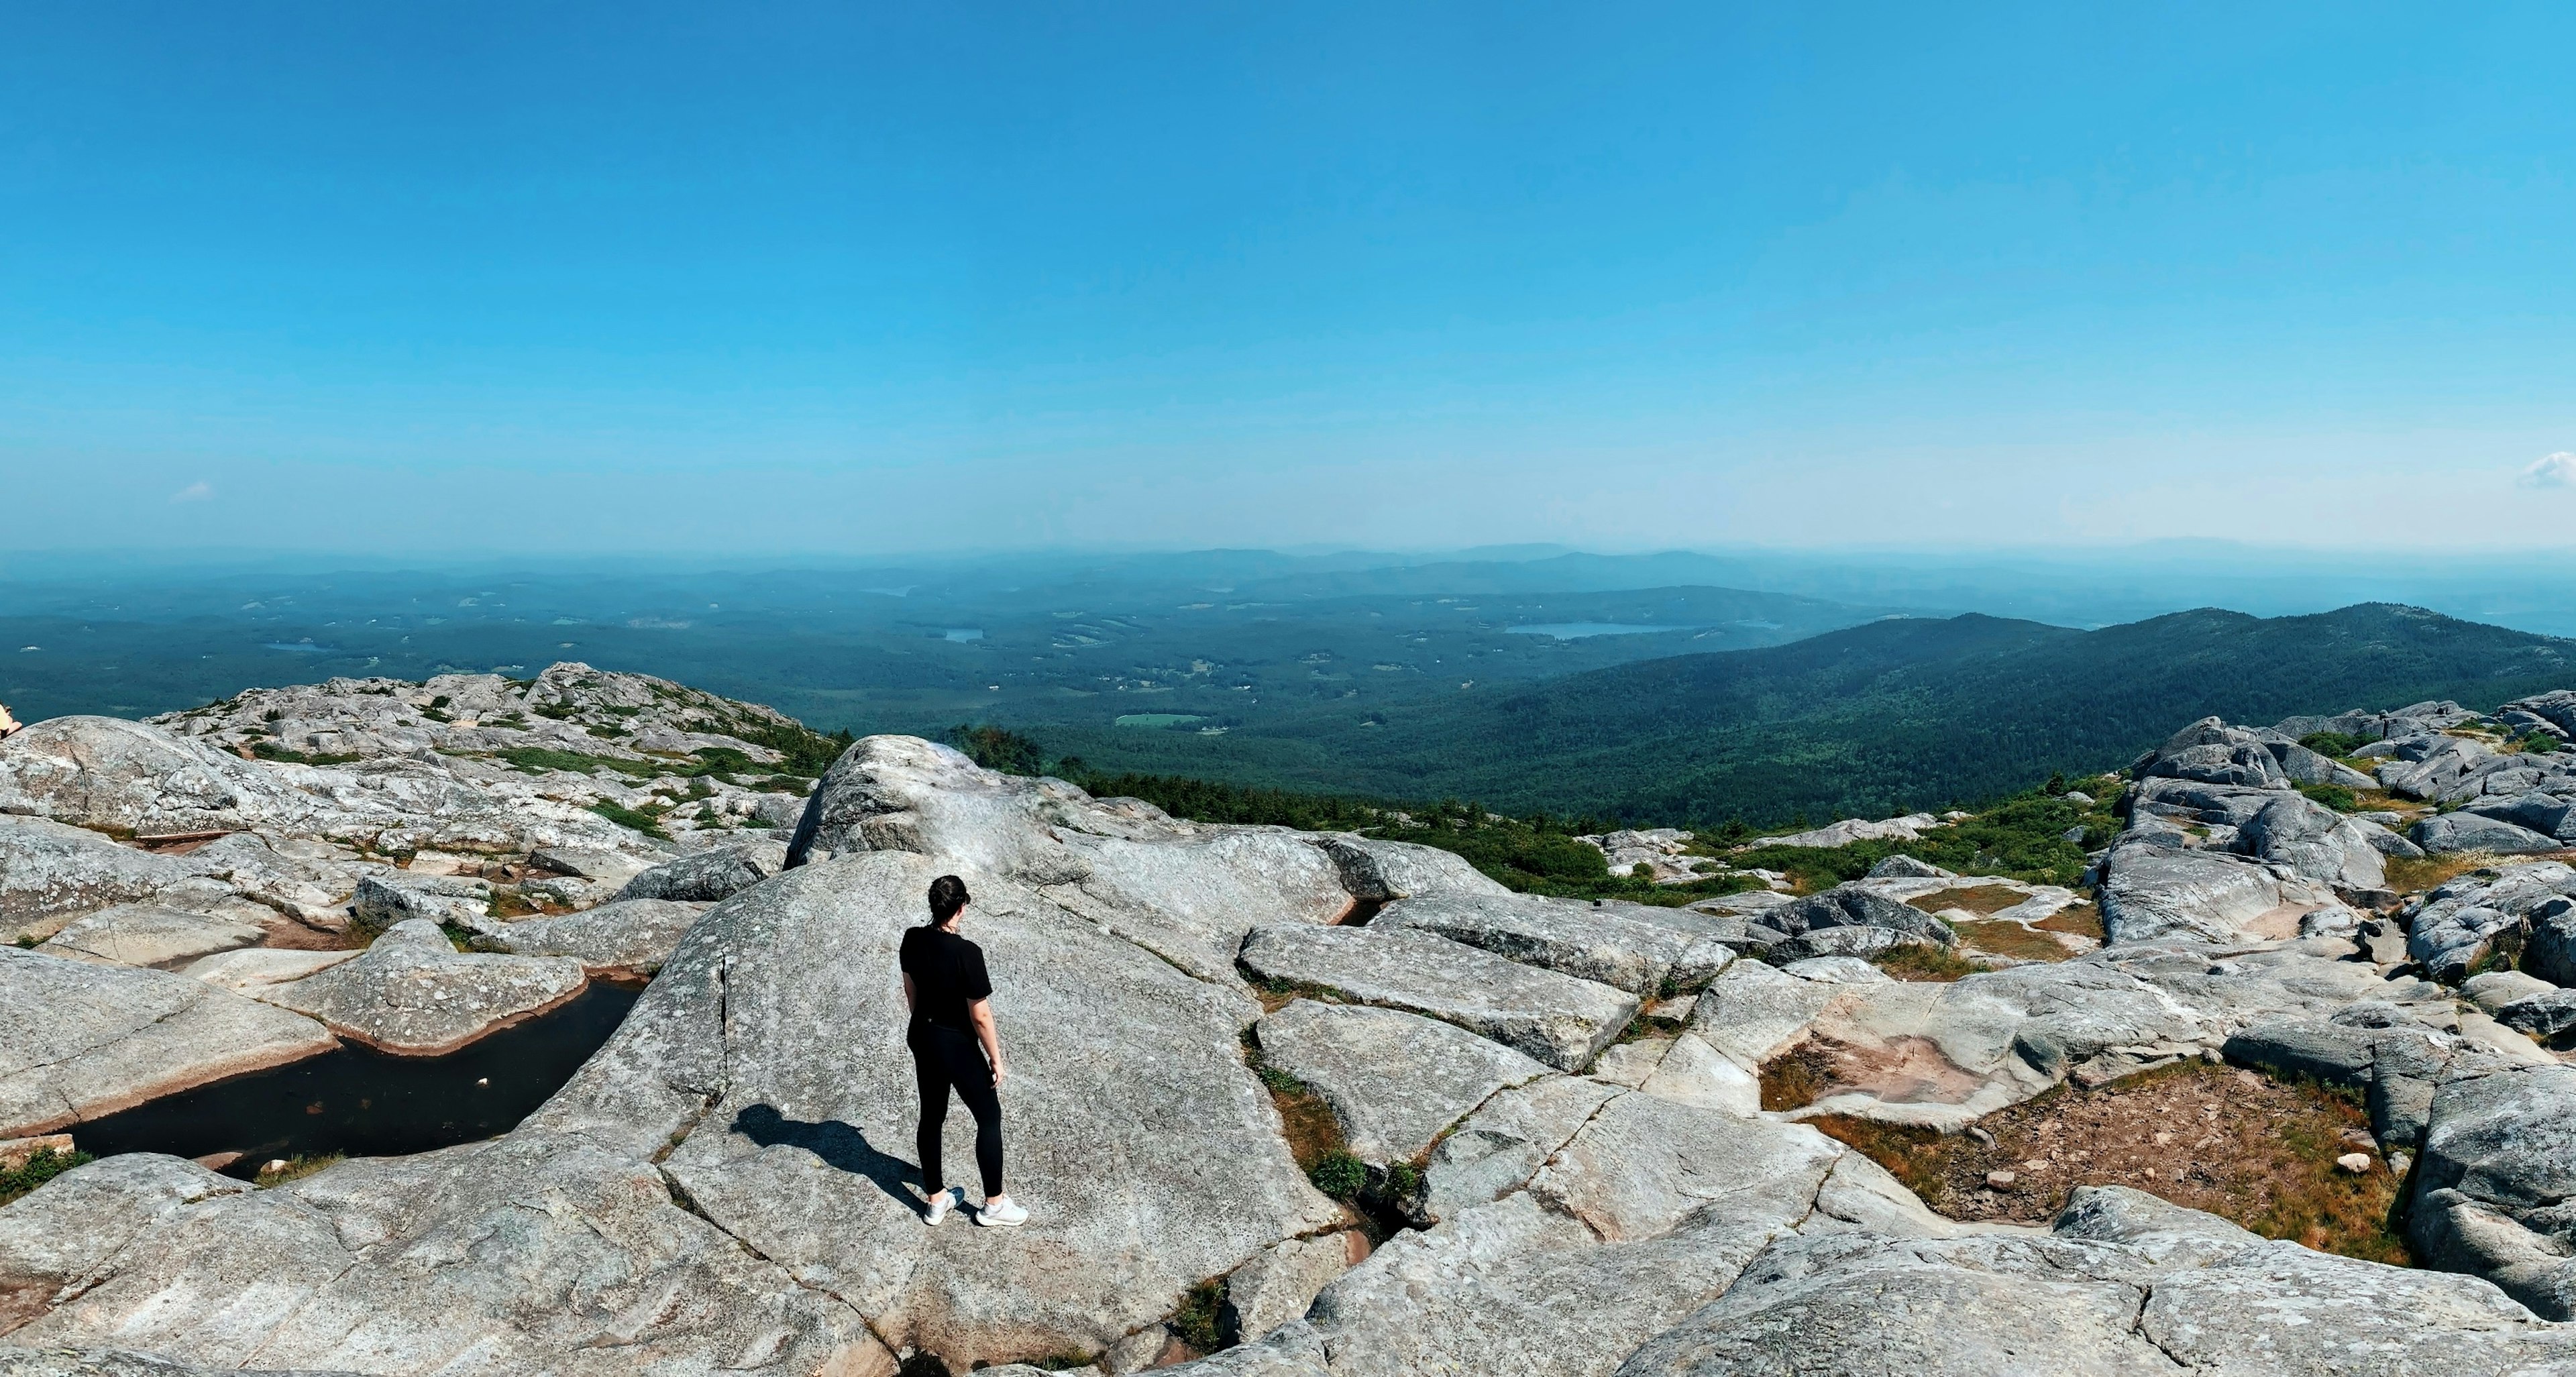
947 975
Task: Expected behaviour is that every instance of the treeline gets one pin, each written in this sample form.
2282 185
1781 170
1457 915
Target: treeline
2040 835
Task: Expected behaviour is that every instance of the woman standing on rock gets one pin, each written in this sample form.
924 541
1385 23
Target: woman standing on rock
954 1046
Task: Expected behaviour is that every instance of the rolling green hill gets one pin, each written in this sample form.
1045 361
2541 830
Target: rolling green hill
1876 719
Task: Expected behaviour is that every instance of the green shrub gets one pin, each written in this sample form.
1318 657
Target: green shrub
269 750
2334 796
997 749
39 1168
1199 1321
1339 1175
2332 743
807 752
534 759
626 817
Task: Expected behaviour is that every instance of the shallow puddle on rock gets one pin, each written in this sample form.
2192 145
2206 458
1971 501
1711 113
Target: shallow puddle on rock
366 1103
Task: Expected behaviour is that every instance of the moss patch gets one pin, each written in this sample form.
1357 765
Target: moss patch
39 1168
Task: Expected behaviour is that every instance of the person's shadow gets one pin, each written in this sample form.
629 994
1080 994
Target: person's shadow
840 1145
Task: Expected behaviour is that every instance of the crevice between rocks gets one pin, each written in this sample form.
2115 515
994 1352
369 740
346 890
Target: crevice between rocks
2138 1328
680 1198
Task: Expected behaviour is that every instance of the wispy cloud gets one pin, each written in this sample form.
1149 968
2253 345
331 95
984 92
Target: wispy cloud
199 491
2553 471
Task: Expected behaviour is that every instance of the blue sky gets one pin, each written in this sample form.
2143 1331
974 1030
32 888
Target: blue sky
864 279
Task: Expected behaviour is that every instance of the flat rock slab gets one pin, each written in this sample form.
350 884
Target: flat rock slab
2158 893
1618 945
1502 1145
414 994
630 936
2119 1287
149 935
89 1038
1382 870
1147 1153
51 873
1558 1019
1276 1287
1650 1211
1394 1080
709 876
252 969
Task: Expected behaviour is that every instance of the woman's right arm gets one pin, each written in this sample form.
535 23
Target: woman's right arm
910 1001
981 1011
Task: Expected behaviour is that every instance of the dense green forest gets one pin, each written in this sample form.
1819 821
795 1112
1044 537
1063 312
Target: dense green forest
2036 834
1877 719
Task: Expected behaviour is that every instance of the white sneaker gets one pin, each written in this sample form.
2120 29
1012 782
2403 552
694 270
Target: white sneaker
1004 1215
940 1205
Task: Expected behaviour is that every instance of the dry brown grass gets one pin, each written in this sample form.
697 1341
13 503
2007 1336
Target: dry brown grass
1800 1076
1923 961
2411 875
2241 1146
2080 920
2005 938
1980 900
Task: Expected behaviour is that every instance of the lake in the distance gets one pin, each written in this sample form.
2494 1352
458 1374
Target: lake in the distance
1575 631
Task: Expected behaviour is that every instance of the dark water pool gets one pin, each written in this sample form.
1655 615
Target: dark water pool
368 1104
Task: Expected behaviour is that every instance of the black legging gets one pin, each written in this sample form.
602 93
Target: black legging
944 1059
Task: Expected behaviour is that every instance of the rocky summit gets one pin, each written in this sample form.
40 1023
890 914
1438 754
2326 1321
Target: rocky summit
1281 1103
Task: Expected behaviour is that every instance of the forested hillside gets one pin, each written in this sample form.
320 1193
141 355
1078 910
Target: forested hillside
1876 719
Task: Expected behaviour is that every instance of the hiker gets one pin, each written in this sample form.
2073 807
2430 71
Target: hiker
954 1047
9 726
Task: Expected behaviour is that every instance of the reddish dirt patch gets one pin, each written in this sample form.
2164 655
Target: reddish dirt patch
1905 1071
2238 1145
1981 900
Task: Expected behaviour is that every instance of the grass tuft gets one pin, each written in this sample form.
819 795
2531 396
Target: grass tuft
1924 962
2411 874
39 1168
629 818
297 1168
1200 1320
1339 1175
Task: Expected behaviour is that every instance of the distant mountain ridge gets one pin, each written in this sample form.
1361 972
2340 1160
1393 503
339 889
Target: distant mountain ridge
1896 714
